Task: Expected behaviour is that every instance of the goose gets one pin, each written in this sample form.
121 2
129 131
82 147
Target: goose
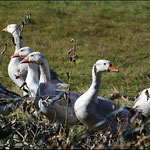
142 103
14 68
43 88
93 110
24 51
33 71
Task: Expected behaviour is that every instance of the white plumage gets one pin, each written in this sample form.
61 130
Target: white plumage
14 68
142 103
92 110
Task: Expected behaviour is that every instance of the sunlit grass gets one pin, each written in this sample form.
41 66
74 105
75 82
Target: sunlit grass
117 31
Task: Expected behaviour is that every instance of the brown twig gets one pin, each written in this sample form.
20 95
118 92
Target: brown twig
5 47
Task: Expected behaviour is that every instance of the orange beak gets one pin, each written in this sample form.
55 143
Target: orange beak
25 60
15 55
112 68
6 29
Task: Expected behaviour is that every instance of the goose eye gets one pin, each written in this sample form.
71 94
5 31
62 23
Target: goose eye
104 63
32 55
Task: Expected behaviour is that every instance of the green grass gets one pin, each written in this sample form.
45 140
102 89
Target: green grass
116 31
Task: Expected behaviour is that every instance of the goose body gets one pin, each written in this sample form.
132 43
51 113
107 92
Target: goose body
56 110
92 110
142 103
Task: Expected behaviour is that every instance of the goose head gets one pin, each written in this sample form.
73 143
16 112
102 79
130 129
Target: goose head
12 28
23 52
34 57
104 66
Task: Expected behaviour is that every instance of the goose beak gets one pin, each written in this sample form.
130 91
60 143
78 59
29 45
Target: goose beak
6 29
112 68
25 60
15 55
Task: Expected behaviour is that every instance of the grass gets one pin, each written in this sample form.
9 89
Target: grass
116 31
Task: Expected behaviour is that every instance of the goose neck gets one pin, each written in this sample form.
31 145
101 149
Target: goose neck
18 39
32 79
44 72
95 86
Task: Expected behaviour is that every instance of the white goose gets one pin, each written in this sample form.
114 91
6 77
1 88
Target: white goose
56 110
55 82
142 103
92 110
32 70
14 68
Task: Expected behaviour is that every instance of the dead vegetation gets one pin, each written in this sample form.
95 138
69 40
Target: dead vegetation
42 134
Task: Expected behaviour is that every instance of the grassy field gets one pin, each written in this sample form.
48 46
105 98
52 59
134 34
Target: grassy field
116 31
